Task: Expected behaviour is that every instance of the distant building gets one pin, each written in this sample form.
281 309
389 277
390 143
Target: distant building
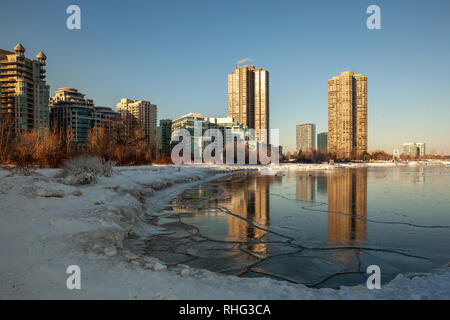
228 127
71 112
413 149
104 115
140 113
347 115
306 137
163 137
322 141
24 95
421 147
187 122
409 149
248 98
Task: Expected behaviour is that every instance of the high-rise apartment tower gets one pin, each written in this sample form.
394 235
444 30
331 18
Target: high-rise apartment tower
322 141
24 95
248 98
347 115
140 113
305 137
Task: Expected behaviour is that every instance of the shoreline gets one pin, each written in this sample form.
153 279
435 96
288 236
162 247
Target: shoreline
39 247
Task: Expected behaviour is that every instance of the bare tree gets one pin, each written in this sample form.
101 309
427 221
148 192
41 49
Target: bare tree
6 137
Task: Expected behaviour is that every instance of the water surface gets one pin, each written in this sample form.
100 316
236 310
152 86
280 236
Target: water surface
321 229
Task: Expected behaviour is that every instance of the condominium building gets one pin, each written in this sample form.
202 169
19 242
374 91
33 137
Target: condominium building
305 137
421 148
230 129
72 113
414 149
322 141
163 137
248 99
347 115
24 94
139 113
227 126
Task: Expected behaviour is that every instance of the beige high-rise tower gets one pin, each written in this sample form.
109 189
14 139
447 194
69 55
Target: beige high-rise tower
24 94
140 113
248 98
347 115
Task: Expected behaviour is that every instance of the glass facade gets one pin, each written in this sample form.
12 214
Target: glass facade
163 136
306 137
322 141
72 113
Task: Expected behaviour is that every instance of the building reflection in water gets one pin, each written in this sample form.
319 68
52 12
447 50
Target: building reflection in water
322 185
347 206
251 202
407 174
417 175
347 209
305 186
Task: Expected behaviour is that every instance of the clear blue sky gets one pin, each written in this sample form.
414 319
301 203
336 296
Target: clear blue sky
177 54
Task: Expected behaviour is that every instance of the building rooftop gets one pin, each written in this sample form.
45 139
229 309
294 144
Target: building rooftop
19 47
41 55
5 52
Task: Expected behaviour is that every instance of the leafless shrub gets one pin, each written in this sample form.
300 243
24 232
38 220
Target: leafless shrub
38 148
85 169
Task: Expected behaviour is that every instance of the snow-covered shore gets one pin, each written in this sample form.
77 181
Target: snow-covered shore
46 225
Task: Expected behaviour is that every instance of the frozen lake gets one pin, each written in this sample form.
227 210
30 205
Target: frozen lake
318 228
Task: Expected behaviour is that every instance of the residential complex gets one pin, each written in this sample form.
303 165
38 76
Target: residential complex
25 104
421 148
322 141
163 137
139 113
414 149
71 112
347 115
248 99
228 127
24 94
306 137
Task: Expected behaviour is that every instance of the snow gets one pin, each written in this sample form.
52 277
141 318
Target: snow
46 226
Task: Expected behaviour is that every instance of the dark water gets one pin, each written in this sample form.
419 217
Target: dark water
321 229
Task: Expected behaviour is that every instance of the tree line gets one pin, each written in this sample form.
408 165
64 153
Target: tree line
120 142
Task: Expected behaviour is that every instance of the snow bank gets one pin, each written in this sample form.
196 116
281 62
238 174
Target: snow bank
46 225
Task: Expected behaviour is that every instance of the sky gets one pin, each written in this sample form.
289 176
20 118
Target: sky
177 54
